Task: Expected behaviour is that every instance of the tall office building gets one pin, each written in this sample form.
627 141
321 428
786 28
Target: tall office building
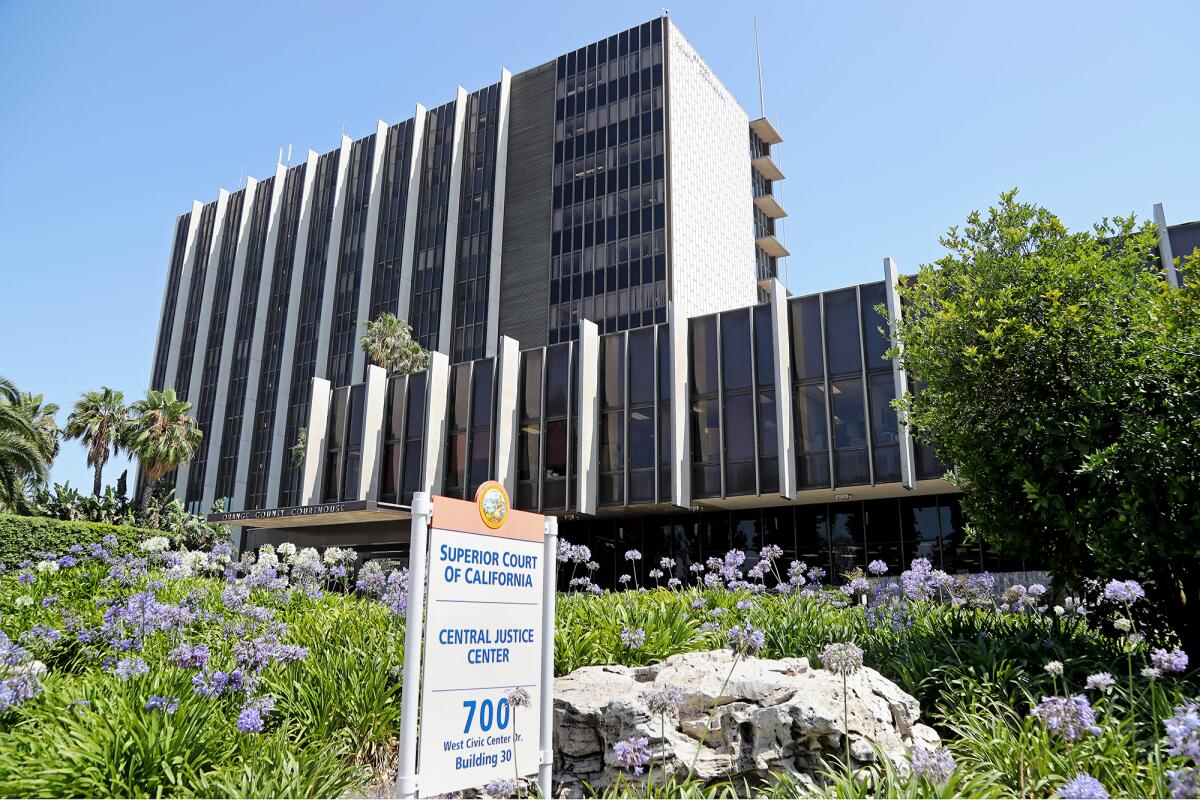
614 184
589 249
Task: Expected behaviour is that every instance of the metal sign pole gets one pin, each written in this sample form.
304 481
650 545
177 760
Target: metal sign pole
410 698
549 593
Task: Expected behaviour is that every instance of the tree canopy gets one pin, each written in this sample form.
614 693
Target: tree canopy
388 343
1060 375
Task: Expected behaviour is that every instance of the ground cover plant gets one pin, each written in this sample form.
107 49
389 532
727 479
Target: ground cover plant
175 673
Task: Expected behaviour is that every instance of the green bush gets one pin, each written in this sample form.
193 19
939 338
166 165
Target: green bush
21 538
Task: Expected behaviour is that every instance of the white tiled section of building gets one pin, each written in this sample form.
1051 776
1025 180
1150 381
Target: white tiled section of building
711 225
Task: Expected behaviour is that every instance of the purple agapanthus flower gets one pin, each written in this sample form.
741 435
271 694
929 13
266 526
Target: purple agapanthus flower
167 705
633 555
1183 732
663 699
633 637
1082 787
746 640
1169 660
1127 592
501 788
877 567
189 656
131 668
935 766
1184 783
632 754
1069 717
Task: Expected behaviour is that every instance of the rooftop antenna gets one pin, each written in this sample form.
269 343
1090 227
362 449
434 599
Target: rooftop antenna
280 159
666 12
762 106
289 161
241 175
343 126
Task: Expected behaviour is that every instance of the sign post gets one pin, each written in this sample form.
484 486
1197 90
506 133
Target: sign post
485 679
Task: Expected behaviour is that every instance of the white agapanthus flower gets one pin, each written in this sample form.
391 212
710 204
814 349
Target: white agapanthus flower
47 566
1055 668
1123 625
23 600
287 551
156 544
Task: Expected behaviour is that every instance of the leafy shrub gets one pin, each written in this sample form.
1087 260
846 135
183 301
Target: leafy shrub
21 538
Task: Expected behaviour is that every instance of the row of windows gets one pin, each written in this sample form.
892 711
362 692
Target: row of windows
312 286
191 320
428 261
239 360
836 537
343 339
272 342
389 242
211 368
167 323
473 253
608 180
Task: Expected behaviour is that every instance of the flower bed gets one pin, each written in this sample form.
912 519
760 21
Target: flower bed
175 673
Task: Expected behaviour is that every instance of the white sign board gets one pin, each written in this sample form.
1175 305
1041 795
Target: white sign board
483 638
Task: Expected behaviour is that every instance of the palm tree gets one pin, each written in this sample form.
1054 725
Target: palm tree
24 457
388 343
99 420
163 436
41 414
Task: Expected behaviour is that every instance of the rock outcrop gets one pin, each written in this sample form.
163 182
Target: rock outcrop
772 716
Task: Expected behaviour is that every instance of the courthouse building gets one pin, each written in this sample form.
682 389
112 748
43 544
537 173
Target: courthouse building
589 250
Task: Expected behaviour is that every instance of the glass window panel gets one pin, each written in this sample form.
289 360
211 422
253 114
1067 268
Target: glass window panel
768 435
706 480
395 403
531 384
849 422
735 350
557 365
641 487
746 530
641 366
807 361
813 469
556 448
811 428
612 375
841 332
611 441
739 427
764 346
481 450
460 382
850 467
920 526
335 436
846 538
481 395
884 540
352 476
704 355
885 426
706 443
415 407
887 463
812 536
456 464
641 438
877 343
528 452
664 362
357 408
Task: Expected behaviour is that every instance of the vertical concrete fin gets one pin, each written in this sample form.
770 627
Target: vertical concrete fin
314 450
373 424
587 469
1164 246
783 390
333 255
497 237
404 297
370 237
436 383
891 277
450 251
681 445
508 395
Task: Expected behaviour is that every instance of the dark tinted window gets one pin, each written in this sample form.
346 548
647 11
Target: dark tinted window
704 355
841 332
806 338
877 343
735 350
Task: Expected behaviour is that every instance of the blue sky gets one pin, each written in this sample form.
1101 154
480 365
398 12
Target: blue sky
898 119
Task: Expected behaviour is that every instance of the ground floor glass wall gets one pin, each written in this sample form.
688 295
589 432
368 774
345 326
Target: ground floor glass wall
834 536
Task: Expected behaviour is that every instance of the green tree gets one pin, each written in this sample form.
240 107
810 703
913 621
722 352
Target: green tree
163 436
300 448
388 343
25 452
1058 375
99 420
